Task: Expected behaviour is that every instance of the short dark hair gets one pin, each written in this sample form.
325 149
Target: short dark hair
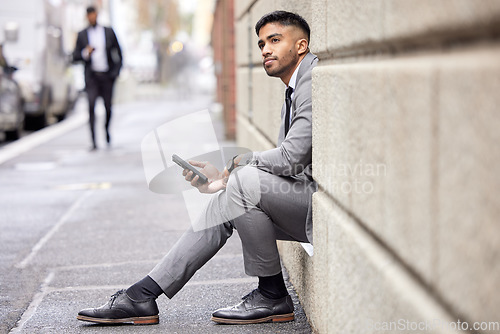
286 19
91 9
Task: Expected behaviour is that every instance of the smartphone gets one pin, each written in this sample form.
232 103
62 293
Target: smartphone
185 165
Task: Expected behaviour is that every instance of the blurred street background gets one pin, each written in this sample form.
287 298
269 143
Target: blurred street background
76 225
164 42
408 85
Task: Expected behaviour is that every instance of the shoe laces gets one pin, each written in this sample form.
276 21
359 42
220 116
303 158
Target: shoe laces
250 295
114 296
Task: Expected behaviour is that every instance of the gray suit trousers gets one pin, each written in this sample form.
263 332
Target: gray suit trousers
261 206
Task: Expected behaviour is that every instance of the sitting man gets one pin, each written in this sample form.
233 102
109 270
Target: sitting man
276 207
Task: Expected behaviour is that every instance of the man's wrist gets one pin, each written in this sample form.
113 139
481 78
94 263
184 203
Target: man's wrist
232 164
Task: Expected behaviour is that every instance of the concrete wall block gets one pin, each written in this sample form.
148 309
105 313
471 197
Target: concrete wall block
410 18
318 25
366 285
371 138
433 122
468 192
249 137
353 22
358 23
241 7
242 91
241 39
300 269
268 96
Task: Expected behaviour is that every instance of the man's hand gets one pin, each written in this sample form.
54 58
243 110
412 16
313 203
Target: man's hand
90 49
216 180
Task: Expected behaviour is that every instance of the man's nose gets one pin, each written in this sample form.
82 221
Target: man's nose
265 51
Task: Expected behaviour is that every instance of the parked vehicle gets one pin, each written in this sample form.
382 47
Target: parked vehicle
44 70
11 105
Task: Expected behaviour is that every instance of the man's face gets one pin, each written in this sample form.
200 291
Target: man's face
280 50
92 18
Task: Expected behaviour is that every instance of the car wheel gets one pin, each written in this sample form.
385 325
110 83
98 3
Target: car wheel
35 122
13 135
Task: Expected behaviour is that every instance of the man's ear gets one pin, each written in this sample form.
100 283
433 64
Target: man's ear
302 46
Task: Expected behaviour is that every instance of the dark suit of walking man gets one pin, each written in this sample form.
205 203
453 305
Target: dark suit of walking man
98 48
265 195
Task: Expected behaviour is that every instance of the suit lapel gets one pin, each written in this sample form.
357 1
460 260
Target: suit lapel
86 36
305 66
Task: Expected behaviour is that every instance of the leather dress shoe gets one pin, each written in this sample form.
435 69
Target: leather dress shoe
255 308
122 309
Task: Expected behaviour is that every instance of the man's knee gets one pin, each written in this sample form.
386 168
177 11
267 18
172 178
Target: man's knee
244 179
243 189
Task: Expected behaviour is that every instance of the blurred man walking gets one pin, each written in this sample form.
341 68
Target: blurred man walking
98 48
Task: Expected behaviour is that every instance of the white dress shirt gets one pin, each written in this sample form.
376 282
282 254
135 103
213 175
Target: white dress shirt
97 40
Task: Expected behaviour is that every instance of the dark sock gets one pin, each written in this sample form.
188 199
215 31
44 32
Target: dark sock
273 287
146 288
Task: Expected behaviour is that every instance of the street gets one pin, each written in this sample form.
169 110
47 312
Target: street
77 225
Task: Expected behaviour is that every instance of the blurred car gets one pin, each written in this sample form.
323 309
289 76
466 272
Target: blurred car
11 105
44 70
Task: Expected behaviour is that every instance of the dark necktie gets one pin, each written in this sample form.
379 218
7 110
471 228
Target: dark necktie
288 103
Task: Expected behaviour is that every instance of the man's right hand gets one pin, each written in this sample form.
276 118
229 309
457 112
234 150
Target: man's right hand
90 49
216 180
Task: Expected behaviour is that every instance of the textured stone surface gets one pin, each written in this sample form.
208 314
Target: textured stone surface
242 34
357 24
267 100
318 25
243 91
352 22
409 18
250 137
365 284
241 7
372 150
300 266
468 204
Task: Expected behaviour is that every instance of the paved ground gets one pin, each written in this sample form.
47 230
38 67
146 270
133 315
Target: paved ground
78 225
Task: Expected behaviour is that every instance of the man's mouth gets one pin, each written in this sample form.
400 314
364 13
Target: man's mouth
268 61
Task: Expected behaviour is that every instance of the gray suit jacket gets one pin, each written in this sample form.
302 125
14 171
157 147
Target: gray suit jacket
293 155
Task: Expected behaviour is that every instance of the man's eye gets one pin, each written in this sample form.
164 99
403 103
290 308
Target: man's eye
275 40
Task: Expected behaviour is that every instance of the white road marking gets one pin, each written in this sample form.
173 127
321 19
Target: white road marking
31 310
53 230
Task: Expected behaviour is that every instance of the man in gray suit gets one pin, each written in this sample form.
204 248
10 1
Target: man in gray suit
265 195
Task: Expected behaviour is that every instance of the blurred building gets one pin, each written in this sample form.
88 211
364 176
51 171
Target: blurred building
224 59
405 148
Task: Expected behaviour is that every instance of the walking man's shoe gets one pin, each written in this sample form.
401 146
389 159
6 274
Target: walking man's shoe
122 309
255 308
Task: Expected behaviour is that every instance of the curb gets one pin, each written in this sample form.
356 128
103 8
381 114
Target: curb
39 137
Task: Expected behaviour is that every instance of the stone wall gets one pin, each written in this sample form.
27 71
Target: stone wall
405 151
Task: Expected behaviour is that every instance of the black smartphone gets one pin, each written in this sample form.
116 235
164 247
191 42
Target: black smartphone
185 165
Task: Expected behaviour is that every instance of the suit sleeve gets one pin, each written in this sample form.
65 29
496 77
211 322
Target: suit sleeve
295 152
116 54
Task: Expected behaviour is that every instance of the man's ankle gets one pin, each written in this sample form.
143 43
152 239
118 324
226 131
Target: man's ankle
145 289
273 287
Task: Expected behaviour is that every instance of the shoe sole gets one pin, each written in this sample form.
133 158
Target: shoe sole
273 318
152 320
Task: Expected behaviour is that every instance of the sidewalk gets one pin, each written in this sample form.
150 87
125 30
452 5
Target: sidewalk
113 230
